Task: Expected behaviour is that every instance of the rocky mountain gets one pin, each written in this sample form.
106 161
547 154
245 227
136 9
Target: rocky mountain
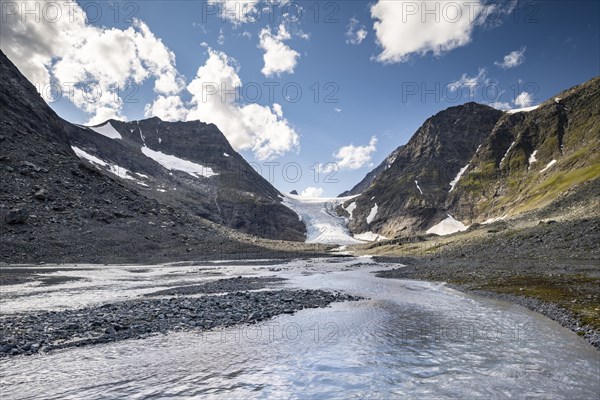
57 207
474 164
190 166
532 158
405 192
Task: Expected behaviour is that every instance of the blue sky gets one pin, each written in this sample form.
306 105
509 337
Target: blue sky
366 85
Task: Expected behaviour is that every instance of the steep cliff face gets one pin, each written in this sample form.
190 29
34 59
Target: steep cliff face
531 158
410 188
191 165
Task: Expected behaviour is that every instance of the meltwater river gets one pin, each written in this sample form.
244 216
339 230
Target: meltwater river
409 339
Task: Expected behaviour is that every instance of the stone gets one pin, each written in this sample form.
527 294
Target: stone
17 216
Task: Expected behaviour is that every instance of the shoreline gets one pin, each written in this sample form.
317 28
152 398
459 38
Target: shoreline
485 286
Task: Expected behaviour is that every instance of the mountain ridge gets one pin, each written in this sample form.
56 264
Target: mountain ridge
412 190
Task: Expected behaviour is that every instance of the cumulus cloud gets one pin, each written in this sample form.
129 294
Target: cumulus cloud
95 66
312 192
513 59
355 34
261 129
278 57
355 157
167 108
524 100
404 28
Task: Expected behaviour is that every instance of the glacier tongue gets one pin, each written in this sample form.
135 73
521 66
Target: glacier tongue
322 224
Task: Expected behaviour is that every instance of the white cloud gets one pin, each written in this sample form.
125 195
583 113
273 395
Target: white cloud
167 108
278 57
235 11
312 192
513 59
354 34
524 100
469 82
77 55
221 38
337 109
261 129
498 105
355 157
404 28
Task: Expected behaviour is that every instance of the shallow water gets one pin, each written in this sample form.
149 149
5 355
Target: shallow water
408 340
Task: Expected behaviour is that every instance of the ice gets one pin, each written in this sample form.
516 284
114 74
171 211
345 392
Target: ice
448 227
106 130
457 178
318 214
175 163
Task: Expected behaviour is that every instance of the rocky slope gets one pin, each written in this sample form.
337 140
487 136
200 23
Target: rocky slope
190 166
531 158
404 193
478 164
55 207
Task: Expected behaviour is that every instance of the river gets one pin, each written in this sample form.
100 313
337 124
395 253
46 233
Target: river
408 339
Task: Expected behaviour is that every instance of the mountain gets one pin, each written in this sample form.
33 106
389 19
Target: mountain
532 158
56 207
190 166
405 192
474 164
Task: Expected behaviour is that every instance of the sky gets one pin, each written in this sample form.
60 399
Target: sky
313 94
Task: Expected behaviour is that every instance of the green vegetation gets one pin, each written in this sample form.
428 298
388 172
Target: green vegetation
549 189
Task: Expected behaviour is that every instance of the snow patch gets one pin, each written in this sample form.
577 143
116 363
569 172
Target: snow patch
226 155
457 178
175 163
525 109
141 134
370 237
492 220
532 158
322 223
418 187
350 209
112 168
159 140
372 214
551 163
447 227
106 130
507 151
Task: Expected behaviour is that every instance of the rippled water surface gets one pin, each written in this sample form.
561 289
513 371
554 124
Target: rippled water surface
407 340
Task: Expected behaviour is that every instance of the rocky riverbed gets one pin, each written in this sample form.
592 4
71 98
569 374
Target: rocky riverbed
137 319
